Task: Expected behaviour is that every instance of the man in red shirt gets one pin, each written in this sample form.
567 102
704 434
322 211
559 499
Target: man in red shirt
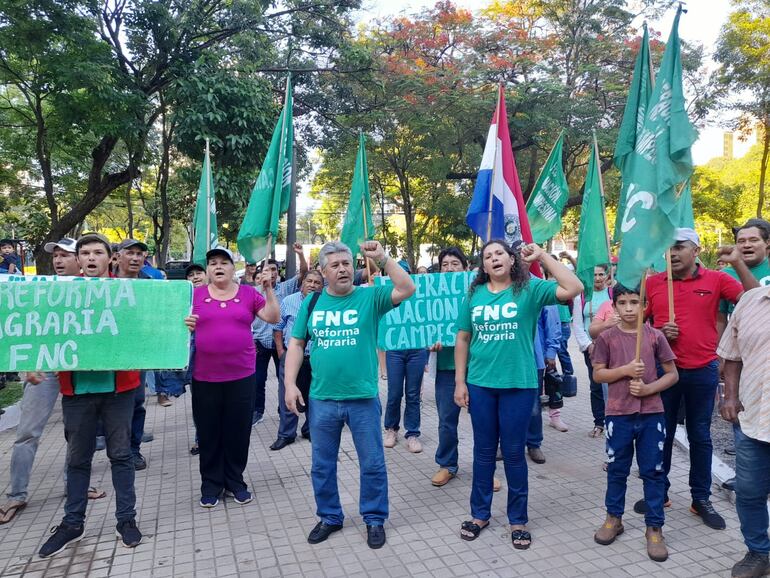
693 338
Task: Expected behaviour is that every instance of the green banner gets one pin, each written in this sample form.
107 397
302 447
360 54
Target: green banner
428 316
78 324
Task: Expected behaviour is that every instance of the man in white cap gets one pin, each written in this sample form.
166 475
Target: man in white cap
37 404
693 337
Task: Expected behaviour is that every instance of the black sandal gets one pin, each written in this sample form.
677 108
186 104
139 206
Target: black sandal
474 529
521 536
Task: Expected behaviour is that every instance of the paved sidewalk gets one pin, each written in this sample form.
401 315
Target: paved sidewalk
268 536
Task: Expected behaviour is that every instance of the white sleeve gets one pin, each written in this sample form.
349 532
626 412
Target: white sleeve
578 330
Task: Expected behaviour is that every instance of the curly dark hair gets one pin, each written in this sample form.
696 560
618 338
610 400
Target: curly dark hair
519 269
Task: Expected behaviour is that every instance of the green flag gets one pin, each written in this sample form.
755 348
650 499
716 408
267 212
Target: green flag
358 226
271 194
660 162
592 233
546 203
205 218
633 117
682 216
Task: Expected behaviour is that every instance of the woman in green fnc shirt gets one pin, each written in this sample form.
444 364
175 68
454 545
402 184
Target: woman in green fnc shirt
495 373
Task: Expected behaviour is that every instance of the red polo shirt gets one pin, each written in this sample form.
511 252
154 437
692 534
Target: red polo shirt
696 303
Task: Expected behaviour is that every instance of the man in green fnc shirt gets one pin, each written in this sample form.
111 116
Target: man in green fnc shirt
342 321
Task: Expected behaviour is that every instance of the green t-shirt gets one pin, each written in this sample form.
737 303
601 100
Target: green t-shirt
344 334
502 327
93 382
445 359
761 272
565 315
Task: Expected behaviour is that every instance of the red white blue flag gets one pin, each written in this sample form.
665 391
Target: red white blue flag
498 178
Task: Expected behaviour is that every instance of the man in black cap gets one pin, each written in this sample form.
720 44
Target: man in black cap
131 255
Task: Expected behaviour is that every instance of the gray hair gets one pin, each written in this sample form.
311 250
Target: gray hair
330 249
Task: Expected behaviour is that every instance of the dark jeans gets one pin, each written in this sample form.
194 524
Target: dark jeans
597 394
752 485
81 414
564 357
535 429
405 372
646 432
327 421
137 421
287 425
264 355
499 418
697 388
448 418
222 412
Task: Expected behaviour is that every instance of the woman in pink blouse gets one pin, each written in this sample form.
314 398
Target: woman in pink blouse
223 374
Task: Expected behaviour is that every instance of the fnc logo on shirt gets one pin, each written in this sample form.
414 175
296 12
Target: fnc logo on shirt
339 328
494 312
495 322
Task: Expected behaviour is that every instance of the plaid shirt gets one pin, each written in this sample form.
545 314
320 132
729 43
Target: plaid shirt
289 309
263 332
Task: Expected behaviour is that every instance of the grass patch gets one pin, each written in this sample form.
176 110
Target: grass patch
11 393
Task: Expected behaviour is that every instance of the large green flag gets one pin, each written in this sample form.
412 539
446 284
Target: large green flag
633 117
546 203
205 218
592 247
272 192
682 216
660 162
358 226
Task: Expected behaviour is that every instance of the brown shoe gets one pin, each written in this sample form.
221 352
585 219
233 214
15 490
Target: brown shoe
536 455
611 529
496 485
442 477
163 400
656 545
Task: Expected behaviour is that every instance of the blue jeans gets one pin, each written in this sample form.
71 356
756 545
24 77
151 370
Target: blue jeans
448 418
752 484
81 414
564 358
264 355
405 371
697 387
535 429
646 432
598 395
499 418
363 417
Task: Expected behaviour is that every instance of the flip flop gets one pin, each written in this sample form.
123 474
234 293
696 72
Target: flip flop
95 493
9 510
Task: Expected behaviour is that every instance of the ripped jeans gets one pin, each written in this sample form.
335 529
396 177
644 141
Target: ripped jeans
647 432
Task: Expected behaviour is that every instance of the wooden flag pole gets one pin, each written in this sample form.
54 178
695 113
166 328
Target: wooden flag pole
494 164
640 318
208 199
670 287
604 209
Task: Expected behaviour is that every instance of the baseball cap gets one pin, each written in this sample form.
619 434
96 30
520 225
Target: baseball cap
65 244
222 252
91 238
687 234
132 243
193 267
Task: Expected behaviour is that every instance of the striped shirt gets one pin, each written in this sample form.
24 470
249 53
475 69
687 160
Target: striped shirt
746 339
289 308
263 332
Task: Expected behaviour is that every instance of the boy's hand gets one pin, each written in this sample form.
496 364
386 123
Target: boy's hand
635 370
638 388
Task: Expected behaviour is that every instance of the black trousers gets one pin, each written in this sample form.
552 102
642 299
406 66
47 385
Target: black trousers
222 412
264 355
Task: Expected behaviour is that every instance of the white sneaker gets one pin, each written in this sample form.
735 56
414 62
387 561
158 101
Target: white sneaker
391 436
557 424
413 444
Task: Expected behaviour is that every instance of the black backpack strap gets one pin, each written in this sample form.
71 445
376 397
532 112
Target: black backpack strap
310 307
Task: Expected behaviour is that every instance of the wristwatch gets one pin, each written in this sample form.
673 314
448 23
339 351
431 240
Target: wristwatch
381 264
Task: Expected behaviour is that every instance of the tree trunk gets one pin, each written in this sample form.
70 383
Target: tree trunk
130 210
763 168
